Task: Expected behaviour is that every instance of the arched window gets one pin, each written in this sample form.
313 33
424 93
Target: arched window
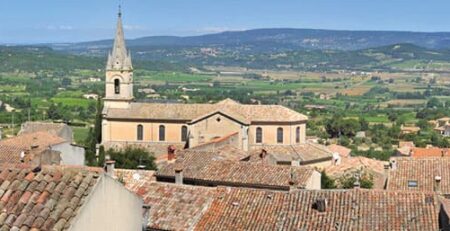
184 133
297 135
280 135
140 132
259 134
162 133
117 86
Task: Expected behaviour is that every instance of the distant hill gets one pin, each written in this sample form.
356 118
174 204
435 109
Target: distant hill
39 58
283 39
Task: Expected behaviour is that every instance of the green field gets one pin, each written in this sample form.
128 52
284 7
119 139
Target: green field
80 134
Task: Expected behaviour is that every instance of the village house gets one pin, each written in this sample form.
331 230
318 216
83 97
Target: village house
65 198
59 129
186 207
442 126
420 174
40 148
223 168
158 125
410 129
90 96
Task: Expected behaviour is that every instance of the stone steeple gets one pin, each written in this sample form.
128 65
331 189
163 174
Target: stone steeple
119 73
120 58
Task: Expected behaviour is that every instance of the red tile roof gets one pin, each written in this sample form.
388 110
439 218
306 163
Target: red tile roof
11 148
245 209
422 171
429 152
208 168
175 207
355 164
45 200
341 150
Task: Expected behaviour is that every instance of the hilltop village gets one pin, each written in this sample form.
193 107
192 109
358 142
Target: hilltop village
221 165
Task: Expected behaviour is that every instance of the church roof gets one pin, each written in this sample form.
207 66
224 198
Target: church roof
189 112
120 58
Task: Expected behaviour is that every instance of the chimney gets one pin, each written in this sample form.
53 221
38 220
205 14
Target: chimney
437 184
1 129
336 158
178 175
171 153
321 205
146 216
393 164
110 167
357 184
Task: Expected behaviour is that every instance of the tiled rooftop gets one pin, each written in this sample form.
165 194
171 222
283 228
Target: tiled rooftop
429 152
217 170
188 112
419 174
133 179
175 207
341 150
52 128
45 200
306 153
351 165
11 148
245 209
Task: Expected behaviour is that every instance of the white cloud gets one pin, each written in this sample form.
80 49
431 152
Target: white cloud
133 27
57 27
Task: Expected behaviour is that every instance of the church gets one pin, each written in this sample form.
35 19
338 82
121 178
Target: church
157 126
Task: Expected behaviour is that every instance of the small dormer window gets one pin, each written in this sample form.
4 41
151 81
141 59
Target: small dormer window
412 183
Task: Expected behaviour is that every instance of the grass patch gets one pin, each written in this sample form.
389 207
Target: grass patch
80 134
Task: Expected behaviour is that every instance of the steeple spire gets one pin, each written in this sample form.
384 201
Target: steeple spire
119 59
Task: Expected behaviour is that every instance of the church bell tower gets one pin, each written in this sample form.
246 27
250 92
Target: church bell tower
119 72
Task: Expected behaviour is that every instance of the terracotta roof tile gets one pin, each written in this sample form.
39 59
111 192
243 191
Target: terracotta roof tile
351 165
11 148
27 201
305 153
188 112
341 150
175 207
245 209
419 174
213 169
429 152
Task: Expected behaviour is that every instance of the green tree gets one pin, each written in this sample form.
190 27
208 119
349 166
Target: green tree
101 155
327 182
132 157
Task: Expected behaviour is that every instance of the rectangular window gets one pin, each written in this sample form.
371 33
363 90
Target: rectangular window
412 183
162 133
280 135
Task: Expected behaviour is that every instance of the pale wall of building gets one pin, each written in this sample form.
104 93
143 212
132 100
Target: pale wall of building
70 154
127 131
215 126
315 181
110 207
270 133
202 131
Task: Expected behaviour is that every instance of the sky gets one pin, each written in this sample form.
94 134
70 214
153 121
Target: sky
41 21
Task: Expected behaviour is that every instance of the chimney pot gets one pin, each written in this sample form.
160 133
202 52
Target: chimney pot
437 184
110 167
171 153
393 164
321 205
178 175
